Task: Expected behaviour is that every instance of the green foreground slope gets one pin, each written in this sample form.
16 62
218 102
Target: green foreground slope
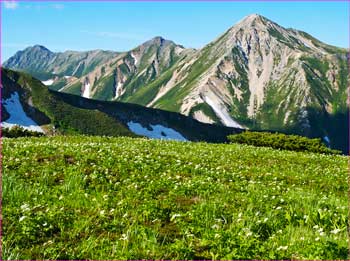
121 198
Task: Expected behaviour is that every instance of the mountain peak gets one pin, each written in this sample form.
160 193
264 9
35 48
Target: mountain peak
158 38
157 41
39 47
252 20
253 16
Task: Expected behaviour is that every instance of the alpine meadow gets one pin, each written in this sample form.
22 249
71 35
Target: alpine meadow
236 150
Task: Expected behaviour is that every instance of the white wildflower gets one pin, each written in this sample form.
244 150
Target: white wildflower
175 216
25 207
335 231
282 248
124 237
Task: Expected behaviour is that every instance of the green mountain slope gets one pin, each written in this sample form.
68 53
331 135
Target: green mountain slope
46 108
71 114
123 78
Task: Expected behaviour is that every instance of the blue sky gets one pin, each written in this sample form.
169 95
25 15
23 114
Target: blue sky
122 26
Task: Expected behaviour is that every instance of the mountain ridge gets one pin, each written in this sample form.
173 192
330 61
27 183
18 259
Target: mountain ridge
256 75
54 112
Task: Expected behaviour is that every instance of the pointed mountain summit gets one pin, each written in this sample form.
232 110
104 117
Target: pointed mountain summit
252 20
122 76
27 59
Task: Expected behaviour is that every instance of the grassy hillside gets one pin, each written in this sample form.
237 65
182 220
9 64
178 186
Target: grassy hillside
65 117
120 198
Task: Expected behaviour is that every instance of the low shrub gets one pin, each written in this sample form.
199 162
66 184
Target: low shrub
281 141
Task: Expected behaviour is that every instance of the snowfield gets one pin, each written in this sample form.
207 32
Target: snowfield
223 115
158 132
134 57
119 85
48 82
86 93
17 115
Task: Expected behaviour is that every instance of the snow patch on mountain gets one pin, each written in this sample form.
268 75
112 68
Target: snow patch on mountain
48 82
222 113
118 90
134 57
158 131
17 115
87 90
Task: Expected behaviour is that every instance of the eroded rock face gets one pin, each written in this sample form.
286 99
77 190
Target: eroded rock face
260 71
126 73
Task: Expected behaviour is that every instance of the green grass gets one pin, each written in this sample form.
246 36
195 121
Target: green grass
147 93
83 197
137 83
59 84
239 108
105 88
74 88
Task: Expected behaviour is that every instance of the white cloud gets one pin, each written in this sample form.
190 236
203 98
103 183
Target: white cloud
10 4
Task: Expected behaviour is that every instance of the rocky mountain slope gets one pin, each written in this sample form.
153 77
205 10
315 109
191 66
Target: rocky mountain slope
44 64
257 75
30 104
122 77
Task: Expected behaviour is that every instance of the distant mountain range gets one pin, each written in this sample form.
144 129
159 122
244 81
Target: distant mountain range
257 75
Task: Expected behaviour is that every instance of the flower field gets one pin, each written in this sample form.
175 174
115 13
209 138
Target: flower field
83 197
